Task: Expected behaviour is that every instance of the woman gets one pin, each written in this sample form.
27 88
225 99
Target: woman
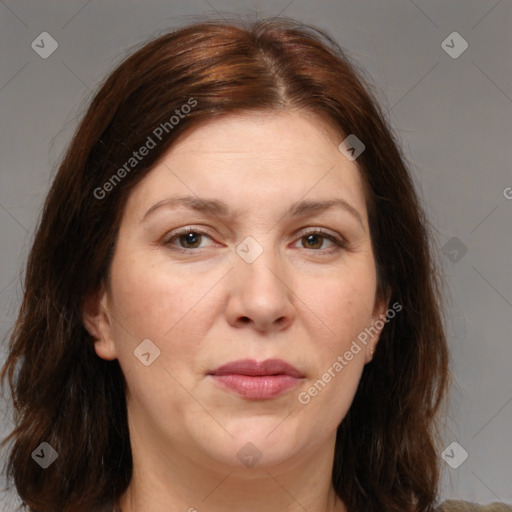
230 303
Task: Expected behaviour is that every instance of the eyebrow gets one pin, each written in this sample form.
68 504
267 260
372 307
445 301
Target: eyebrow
221 209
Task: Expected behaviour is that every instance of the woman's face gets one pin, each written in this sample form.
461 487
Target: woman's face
227 252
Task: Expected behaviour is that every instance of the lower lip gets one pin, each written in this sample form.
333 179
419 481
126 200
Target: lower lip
257 387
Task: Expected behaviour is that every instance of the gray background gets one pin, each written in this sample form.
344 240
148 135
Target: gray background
452 115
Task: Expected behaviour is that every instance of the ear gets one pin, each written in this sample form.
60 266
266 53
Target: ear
98 322
379 318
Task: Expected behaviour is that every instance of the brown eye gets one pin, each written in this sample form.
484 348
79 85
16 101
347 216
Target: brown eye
187 239
316 239
313 241
190 240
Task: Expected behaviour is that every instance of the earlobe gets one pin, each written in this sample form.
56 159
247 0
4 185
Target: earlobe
97 321
105 349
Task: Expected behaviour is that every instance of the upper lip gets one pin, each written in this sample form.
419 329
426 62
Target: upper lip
253 368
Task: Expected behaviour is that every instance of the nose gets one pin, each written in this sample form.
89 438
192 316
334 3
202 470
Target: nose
260 296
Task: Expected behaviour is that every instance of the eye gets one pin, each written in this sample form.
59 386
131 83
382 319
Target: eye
190 238
187 239
315 240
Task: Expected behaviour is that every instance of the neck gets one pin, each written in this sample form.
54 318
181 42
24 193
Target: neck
247 499
176 480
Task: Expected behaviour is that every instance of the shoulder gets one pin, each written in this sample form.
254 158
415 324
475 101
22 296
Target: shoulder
466 506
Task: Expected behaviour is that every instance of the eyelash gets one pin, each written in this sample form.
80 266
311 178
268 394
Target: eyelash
338 242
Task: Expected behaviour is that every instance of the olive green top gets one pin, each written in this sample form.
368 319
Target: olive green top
466 506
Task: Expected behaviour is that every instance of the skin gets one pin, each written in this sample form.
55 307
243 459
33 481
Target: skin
303 300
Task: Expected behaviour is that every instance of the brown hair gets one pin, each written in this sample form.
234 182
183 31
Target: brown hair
64 394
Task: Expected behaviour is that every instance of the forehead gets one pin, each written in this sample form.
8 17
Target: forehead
256 158
299 133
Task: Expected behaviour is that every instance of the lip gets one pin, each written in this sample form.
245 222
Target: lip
251 379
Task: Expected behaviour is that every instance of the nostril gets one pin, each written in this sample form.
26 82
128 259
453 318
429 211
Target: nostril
245 319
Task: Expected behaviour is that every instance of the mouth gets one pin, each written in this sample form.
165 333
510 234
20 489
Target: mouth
250 379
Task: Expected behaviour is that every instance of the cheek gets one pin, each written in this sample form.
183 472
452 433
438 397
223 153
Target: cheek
345 308
149 299
172 309
343 303
150 303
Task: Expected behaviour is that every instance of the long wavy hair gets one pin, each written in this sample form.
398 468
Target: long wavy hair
64 394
